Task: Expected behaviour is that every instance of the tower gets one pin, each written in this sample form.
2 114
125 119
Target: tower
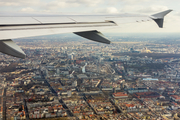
114 90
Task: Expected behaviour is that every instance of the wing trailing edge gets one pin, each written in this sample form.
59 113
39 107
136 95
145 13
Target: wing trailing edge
159 17
10 48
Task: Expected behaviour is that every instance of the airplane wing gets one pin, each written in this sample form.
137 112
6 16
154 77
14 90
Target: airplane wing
86 26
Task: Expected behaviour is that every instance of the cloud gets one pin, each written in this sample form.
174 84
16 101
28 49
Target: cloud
84 6
86 2
109 10
27 9
78 6
56 4
53 4
19 2
143 9
153 8
9 4
134 1
177 13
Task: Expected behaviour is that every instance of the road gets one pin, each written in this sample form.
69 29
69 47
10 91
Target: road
4 104
26 110
55 93
110 69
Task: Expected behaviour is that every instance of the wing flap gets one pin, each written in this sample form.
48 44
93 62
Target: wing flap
94 35
10 48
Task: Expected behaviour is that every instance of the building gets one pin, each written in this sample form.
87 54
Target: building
175 98
150 79
74 84
135 90
70 56
82 76
84 68
146 95
120 95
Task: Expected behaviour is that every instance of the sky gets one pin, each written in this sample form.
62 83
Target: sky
147 7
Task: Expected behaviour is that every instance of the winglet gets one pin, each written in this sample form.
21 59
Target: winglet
159 17
10 48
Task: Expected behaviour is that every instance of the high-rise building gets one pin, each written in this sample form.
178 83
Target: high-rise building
47 74
57 71
74 84
69 93
70 56
114 90
84 68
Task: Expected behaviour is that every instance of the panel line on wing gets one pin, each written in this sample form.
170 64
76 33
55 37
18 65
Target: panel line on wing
9 25
37 20
55 26
72 19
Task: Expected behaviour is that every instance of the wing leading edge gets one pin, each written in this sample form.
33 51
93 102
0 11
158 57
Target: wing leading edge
84 26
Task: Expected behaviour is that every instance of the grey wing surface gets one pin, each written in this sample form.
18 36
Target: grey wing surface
87 26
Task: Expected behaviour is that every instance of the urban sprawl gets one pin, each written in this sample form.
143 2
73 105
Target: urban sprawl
84 80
